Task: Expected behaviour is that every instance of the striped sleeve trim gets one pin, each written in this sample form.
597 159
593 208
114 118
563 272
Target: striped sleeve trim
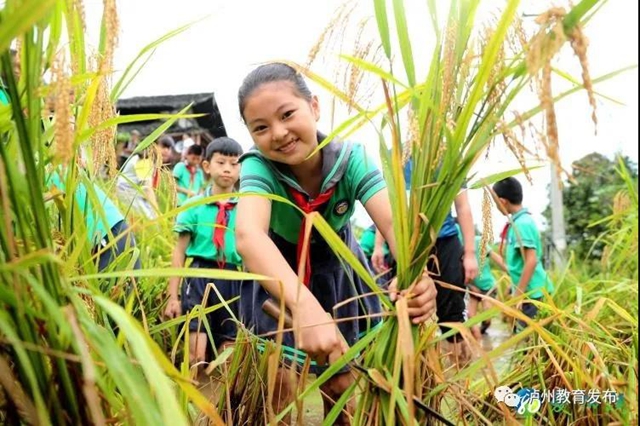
373 183
258 183
365 181
181 228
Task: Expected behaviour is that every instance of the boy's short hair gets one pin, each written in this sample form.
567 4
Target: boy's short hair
223 145
194 150
166 141
509 189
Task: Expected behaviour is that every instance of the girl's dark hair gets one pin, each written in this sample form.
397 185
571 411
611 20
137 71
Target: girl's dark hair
269 73
223 145
509 189
194 150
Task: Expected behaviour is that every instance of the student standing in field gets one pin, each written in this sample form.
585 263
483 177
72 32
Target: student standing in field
484 283
522 249
281 114
188 174
206 234
106 228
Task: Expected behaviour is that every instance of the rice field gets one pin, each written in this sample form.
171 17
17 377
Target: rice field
83 346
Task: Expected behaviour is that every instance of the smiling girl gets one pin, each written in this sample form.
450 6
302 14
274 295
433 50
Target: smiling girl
281 115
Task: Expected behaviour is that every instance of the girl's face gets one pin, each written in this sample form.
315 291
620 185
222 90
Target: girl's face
282 124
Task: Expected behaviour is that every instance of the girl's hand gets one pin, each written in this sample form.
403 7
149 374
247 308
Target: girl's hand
173 309
318 334
421 297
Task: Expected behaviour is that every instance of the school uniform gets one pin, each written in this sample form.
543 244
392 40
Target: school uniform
212 245
347 175
448 250
485 281
524 234
188 177
4 97
104 225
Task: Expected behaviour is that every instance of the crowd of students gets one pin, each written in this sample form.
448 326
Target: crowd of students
258 234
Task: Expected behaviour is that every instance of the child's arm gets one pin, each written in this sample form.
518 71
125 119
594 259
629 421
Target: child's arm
465 220
422 300
178 170
317 333
380 212
187 191
377 257
498 260
530 261
173 308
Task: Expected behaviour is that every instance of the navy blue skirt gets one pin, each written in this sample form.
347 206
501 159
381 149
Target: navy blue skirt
223 326
332 283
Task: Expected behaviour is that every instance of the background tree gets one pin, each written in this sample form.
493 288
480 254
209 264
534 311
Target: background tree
589 199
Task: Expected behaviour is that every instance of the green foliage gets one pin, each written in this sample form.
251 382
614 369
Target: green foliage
588 199
595 323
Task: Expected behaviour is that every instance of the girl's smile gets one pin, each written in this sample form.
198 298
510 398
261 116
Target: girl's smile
282 123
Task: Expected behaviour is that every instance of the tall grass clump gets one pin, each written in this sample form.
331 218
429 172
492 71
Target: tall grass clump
456 112
69 354
592 347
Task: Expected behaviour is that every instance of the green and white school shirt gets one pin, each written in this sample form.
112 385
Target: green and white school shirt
345 167
200 221
188 178
524 234
99 212
485 280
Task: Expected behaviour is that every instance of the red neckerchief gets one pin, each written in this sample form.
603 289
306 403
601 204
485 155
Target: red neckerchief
155 178
307 206
503 235
192 174
221 227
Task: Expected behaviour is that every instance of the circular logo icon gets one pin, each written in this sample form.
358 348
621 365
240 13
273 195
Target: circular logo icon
529 403
341 207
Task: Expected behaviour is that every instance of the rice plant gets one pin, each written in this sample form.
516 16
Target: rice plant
79 346
69 353
456 112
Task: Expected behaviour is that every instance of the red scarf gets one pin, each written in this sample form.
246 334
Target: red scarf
503 237
155 178
192 174
307 206
221 227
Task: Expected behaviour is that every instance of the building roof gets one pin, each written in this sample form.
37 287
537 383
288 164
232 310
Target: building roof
202 103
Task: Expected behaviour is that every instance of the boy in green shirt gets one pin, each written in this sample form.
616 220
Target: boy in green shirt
106 228
206 234
189 175
484 284
522 249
